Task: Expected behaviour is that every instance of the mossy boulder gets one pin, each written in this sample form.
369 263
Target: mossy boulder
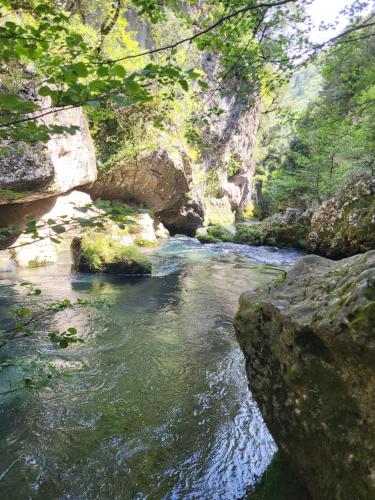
288 230
345 224
309 343
99 253
248 235
207 239
216 234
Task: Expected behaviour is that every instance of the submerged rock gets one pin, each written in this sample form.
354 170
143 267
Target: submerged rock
345 224
309 343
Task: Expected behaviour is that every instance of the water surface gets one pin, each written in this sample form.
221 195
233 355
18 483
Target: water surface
154 404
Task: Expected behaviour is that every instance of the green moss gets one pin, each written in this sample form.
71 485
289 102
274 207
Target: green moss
279 483
221 233
37 263
207 238
280 279
328 399
364 319
142 242
99 250
248 235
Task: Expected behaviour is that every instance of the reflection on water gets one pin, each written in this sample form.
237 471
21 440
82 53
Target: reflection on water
156 403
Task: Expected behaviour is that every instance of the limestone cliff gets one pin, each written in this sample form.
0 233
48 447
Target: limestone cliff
310 359
43 170
159 180
215 181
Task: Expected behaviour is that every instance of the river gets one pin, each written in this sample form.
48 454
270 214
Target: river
154 403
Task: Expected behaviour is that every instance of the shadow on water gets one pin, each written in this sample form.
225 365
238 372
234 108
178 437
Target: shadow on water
155 403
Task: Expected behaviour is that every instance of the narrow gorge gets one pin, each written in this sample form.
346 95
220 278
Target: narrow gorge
187 250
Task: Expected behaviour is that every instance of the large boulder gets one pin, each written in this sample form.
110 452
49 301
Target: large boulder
99 253
289 230
309 343
159 180
345 224
38 171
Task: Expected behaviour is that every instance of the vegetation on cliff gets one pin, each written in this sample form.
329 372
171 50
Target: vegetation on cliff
330 139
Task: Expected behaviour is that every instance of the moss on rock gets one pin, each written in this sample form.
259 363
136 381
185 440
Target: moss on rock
98 253
345 224
310 359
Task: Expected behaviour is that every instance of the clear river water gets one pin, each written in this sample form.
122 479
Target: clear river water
154 404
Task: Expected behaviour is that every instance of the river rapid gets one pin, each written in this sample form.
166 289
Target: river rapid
154 403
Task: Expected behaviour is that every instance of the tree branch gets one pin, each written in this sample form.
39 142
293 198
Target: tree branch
244 10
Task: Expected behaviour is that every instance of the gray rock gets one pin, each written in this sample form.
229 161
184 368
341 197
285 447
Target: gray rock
345 224
43 170
159 180
309 343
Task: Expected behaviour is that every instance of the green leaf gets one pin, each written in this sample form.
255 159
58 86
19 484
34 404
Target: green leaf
59 229
118 70
72 331
45 91
93 104
204 85
132 87
184 84
102 71
64 343
81 69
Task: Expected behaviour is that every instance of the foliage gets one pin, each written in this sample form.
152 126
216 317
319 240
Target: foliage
94 215
234 166
26 321
71 69
331 139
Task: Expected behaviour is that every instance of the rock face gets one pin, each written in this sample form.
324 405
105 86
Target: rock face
65 209
39 171
309 343
161 181
231 137
345 224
